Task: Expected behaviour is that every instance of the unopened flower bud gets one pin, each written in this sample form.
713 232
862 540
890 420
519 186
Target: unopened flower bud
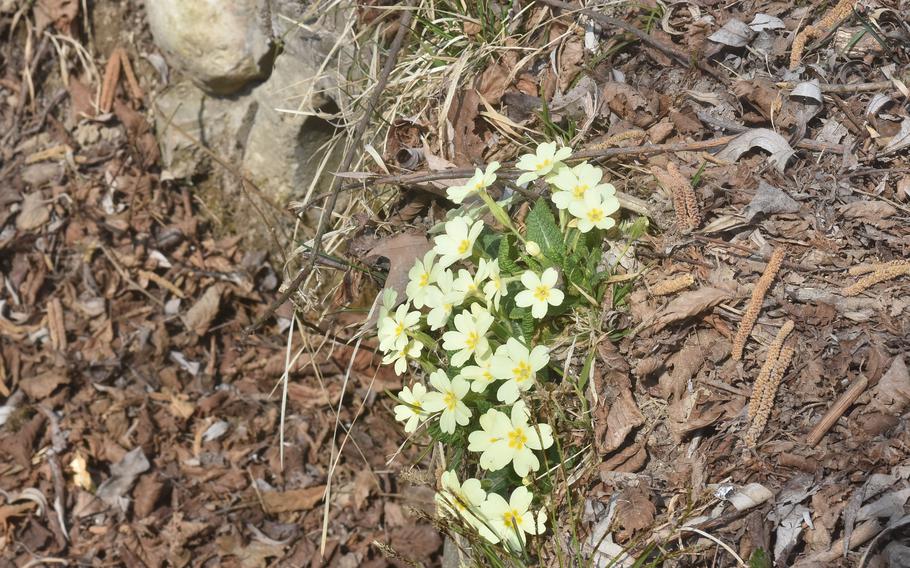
532 248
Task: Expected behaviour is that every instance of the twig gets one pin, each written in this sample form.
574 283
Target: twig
109 84
378 89
508 171
837 410
687 59
844 89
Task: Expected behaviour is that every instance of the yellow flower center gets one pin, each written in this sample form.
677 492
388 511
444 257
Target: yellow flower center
399 329
518 439
511 518
450 400
595 215
579 191
478 185
424 279
542 292
463 246
416 407
471 340
521 372
544 164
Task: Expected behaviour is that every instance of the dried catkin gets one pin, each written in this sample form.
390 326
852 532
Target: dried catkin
764 375
831 18
888 271
616 139
767 402
672 285
685 205
693 211
750 316
867 267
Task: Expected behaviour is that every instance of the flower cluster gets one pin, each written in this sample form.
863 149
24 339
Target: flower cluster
467 322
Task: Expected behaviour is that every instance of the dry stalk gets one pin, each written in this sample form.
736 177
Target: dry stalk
831 19
837 410
132 83
767 370
879 273
750 316
673 285
109 84
767 397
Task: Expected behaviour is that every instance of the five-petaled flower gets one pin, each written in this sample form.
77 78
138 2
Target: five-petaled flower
421 277
594 211
511 519
411 412
509 438
539 164
447 398
469 338
462 500
515 363
458 241
401 356
480 375
574 183
441 299
540 292
478 183
394 328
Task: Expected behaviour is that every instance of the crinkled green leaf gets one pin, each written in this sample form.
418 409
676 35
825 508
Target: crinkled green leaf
543 230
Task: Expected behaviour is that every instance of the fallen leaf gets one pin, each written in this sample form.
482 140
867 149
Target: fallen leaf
763 138
123 474
293 500
571 60
81 477
769 200
634 509
762 22
40 386
401 250
689 304
34 213
199 317
253 555
892 393
492 83
615 411
733 34
868 211
749 496
900 140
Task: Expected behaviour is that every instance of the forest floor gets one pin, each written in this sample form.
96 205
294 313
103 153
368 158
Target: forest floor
139 425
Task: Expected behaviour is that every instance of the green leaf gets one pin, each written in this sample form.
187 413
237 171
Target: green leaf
436 433
506 262
543 230
759 559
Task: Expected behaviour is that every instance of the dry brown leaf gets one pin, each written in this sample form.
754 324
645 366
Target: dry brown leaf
634 509
293 500
40 386
463 117
401 250
868 211
199 317
34 213
417 542
61 13
571 60
688 305
615 413
492 83
363 485
892 393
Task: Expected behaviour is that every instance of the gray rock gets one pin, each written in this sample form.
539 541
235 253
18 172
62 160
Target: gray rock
280 151
222 45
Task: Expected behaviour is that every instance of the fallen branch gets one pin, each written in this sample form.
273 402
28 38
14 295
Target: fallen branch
837 410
